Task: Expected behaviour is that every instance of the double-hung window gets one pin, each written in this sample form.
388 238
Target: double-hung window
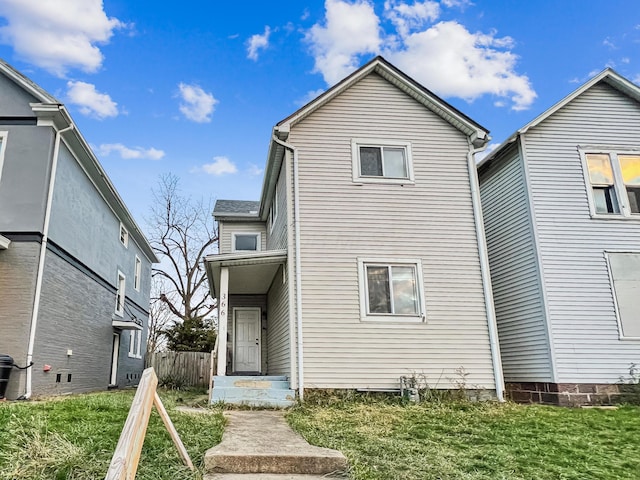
135 341
124 236
391 290
246 242
614 178
387 161
120 294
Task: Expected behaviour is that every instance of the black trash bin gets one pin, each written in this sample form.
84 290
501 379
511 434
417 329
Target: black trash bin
6 365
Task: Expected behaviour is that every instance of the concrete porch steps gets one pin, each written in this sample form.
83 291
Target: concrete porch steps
261 445
253 390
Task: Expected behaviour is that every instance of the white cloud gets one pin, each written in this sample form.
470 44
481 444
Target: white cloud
310 95
220 166
350 30
258 42
486 152
91 102
255 170
130 153
607 42
445 56
57 36
407 17
636 79
197 105
455 62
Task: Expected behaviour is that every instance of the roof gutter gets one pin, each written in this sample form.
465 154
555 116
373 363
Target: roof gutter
485 272
298 267
43 250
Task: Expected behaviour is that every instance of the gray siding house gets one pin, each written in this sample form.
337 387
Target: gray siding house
561 204
364 259
74 266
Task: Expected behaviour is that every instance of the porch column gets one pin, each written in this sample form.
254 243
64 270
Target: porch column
223 304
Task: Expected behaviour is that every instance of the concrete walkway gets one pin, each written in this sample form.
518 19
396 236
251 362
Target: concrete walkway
261 445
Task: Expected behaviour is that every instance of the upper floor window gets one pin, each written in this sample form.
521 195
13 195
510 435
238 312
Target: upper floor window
3 141
124 236
381 161
137 273
614 178
273 211
120 294
390 290
246 242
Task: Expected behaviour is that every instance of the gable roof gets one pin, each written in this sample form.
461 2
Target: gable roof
608 76
51 112
236 208
478 135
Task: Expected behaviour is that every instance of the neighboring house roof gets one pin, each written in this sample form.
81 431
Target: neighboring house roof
478 135
608 76
51 111
236 208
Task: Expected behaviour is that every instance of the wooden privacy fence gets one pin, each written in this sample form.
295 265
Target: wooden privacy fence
181 369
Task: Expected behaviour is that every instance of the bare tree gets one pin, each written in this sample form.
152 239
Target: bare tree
182 232
160 317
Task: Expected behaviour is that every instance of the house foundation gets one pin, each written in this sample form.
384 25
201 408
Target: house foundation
572 394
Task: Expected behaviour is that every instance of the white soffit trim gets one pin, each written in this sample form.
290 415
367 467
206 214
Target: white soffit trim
4 243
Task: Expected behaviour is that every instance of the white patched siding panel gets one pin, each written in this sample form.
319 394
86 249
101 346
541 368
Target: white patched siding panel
524 345
227 229
572 244
431 220
278 336
277 238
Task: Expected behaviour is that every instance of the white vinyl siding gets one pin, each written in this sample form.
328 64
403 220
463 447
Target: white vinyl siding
227 229
431 220
278 335
515 277
572 243
277 238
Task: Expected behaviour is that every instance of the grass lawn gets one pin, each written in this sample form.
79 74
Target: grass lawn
73 438
464 441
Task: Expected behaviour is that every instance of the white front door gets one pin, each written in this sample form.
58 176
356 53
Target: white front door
246 339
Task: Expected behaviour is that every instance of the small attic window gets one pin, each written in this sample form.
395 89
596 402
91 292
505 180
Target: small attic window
124 236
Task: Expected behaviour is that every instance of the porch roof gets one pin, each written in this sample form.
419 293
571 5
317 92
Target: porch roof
249 272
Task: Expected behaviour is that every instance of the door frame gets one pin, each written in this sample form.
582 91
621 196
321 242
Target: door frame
235 330
115 353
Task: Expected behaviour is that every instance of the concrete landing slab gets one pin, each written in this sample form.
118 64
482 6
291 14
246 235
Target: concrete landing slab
262 442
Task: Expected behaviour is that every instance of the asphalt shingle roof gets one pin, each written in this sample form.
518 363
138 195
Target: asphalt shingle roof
236 207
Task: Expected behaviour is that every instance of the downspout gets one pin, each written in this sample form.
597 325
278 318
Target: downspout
296 223
43 250
484 269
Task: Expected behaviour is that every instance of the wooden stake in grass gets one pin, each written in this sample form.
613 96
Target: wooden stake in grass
126 457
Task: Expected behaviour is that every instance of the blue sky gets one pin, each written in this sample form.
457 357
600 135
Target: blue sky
195 88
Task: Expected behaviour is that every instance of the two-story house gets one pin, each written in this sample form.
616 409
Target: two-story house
74 266
365 258
561 202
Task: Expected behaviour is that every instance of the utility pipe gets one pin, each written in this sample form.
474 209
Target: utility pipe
43 250
486 275
296 223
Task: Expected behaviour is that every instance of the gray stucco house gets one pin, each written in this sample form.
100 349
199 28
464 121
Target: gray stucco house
364 259
561 202
74 266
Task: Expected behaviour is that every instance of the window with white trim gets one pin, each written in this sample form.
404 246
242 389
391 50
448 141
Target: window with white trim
135 341
120 294
246 242
137 274
3 141
273 211
614 178
124 236
381 161
625 279
391 290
